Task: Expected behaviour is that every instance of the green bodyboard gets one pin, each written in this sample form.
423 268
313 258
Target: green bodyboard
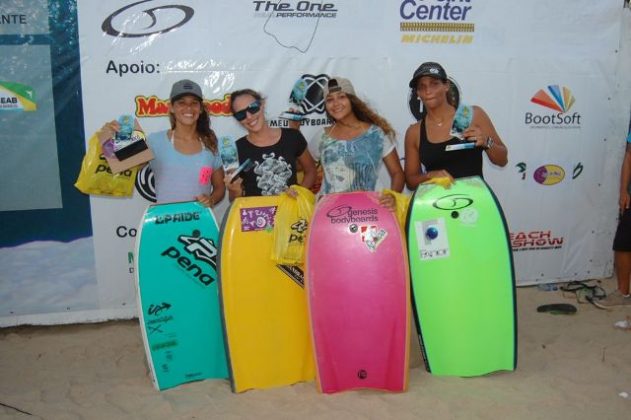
178 301
463 283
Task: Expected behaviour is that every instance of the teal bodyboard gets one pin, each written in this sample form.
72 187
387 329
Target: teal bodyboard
463 283
176 273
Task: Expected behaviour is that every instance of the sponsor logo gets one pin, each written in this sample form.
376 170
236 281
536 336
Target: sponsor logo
452 202
432 239
308 101
137 22
17 97
298 230
549 174
152 106
177 217
306 14
555 98
436 21
257 218
146 184
158 317
346 214
294 9
198 253
535 240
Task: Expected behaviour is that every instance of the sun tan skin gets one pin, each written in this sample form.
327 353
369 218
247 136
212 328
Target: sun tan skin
261 134
440 114
186 111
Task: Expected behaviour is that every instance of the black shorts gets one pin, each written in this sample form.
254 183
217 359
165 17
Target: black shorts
622 240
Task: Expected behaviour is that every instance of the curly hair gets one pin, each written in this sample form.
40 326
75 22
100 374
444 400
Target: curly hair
205 132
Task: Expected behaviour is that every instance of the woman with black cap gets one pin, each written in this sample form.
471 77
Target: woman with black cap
429 143
187 165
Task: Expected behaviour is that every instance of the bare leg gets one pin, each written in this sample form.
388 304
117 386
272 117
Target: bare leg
623 270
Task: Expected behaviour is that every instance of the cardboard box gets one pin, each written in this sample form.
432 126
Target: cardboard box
135 150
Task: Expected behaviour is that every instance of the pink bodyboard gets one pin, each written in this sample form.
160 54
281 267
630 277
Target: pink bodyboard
357 283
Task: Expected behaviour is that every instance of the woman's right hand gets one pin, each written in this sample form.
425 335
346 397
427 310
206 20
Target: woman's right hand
235 188
110 129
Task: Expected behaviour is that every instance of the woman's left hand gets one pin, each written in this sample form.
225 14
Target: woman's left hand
474 134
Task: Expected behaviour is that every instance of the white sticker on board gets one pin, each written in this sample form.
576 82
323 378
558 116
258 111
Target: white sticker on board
431 236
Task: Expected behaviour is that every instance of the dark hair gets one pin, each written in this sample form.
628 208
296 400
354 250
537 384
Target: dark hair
366 114
242 92
206 134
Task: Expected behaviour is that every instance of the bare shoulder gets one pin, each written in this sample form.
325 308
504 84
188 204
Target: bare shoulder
480 116
413 129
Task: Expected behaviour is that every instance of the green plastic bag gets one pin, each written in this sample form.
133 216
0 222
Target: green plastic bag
291 223
96 176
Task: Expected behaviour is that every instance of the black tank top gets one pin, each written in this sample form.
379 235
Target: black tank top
459 163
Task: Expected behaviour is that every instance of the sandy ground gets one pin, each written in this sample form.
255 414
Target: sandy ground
569 367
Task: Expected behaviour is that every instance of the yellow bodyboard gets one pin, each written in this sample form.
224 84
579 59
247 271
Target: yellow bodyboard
264 305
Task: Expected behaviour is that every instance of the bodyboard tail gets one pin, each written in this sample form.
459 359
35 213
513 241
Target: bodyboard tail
176 258
264 303
359 299
463 282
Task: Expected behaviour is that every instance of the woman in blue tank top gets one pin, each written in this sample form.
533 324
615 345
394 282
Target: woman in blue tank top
187 165
431 150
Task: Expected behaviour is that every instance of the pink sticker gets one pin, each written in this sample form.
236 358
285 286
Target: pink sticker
204 175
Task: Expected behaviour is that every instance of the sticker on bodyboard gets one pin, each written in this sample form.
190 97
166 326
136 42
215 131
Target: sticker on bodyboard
372 236
257 218
432 239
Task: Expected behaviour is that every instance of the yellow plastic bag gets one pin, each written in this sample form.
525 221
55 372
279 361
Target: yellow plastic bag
96 176
402 202
293 216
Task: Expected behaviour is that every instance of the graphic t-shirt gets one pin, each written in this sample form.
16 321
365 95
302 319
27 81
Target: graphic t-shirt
351 165
178 176
274 166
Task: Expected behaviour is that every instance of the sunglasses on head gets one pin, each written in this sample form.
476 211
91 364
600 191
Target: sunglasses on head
253 108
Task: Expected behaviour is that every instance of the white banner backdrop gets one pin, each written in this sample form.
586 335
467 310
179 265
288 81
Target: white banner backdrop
559 190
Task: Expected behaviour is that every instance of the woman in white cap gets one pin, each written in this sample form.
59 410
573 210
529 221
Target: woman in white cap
274 152
187 165
354 148
429 143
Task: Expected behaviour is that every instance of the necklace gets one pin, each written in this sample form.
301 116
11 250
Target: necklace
354 127
438 123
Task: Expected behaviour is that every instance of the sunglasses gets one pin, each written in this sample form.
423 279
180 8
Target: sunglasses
252 109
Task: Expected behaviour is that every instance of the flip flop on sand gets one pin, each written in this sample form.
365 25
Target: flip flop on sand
558 308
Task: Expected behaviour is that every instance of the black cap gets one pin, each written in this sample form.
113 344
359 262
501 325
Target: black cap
428 68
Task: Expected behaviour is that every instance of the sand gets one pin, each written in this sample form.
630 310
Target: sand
569 367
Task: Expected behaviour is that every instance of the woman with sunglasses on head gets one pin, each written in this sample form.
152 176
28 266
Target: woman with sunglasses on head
187 165
429 142
274 152
354 148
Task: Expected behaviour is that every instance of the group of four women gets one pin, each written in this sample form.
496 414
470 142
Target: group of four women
351 151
